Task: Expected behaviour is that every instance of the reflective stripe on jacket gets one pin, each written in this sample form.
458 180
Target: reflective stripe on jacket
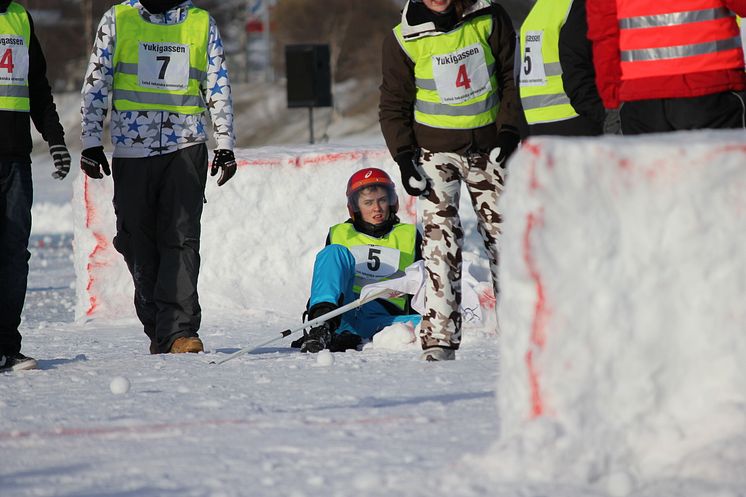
370 253
160 66
15 37
544 98
454 75
670 38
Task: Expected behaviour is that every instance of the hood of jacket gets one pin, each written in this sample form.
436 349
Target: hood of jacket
415 24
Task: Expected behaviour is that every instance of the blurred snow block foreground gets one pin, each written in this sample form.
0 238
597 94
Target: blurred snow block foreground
623 316
260 231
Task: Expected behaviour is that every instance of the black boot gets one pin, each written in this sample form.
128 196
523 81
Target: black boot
16 362
317 339
320 337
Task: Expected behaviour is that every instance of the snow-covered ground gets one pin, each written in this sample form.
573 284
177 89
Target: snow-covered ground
608 383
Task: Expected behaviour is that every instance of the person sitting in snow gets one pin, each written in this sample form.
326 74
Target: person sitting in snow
372 245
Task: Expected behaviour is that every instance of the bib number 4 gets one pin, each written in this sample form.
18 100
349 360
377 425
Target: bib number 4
462 75
462 78
13 60
6 61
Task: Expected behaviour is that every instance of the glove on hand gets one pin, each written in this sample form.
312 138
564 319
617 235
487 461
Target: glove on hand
224 161
61 159
506 145
411 178
92 160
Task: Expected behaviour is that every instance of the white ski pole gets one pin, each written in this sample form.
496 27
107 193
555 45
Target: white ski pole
336 312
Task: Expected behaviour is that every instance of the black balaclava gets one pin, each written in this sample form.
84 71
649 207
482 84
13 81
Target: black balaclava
376 230
4 5
159 6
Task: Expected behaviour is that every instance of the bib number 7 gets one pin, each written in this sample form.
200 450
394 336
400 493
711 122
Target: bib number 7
163 66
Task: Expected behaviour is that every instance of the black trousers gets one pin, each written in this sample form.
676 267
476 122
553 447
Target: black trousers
16 197
158 205
717 111
577 126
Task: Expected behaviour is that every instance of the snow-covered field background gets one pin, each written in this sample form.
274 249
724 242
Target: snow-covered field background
621 356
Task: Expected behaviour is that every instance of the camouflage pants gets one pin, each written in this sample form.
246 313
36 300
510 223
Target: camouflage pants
443 238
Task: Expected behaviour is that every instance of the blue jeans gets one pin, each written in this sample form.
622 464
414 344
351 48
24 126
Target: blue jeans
333 277
16 196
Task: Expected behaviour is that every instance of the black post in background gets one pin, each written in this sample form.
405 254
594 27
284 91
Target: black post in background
309 82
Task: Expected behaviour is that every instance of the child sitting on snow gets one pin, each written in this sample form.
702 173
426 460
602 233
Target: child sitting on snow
371 246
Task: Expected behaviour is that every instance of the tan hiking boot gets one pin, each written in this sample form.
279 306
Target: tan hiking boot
187 344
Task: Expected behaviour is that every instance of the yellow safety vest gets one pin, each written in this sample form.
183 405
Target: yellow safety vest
378 259
15 37
454 75
160 66
542 92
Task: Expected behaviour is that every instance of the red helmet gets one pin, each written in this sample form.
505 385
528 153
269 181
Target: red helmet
370 176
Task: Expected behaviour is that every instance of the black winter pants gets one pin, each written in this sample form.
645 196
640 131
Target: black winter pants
16 196
717 111
577 126
158 205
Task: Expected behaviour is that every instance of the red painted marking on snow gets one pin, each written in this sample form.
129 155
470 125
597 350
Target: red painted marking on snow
161 427
538 326
312 159
259 162
487 299
533 184
531 147
102 244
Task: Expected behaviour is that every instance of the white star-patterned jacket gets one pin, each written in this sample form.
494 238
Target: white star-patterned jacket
149 133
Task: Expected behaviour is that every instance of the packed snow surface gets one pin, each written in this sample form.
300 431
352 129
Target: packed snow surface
635 383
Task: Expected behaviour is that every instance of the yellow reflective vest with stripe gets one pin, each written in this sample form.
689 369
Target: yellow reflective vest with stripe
378 259
454 75
160 66
542 92
15 36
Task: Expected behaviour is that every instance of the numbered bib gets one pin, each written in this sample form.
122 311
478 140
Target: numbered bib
374 262
163 66
13 60
532 67
461 75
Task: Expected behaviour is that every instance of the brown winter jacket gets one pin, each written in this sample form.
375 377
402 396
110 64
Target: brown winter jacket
396 109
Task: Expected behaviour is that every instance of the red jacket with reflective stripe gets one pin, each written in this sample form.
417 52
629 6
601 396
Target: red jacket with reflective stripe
644 76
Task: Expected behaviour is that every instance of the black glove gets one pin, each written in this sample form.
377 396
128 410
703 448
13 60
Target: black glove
224 161
411 179
61 159
92 160
506 144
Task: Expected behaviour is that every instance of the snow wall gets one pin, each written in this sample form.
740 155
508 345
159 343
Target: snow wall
260 232
623 316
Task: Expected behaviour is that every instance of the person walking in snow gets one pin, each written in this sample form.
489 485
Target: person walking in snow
25 96
671 66
557 77
372 245
162 62
450 112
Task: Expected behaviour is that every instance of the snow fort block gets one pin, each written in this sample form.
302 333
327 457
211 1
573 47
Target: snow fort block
260 231
623 315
